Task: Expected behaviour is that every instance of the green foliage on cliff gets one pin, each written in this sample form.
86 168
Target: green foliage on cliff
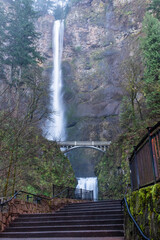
151 55
131 107
28 161
140 106
155 8
112 174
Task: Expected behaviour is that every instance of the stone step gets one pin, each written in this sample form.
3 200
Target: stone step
69 217
65 228
83 233
88 213
72 213
93 204
71 238
81 220
96 202
89 208
69 222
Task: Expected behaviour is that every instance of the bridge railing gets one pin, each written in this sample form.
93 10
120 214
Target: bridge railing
145 159
72 193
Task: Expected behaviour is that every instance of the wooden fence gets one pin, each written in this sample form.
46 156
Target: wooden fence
145 160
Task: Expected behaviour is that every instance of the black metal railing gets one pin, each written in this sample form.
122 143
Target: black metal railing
58 191
145 159
124 201
72 193
26 196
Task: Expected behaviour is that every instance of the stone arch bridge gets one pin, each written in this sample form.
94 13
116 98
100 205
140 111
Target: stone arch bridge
71 145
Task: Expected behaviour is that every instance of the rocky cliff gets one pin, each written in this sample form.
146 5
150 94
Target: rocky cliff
99 36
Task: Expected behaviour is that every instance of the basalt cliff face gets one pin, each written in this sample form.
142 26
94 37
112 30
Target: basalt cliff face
99 36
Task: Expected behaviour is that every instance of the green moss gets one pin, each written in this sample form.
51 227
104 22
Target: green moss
144 205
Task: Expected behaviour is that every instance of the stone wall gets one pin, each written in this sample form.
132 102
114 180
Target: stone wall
145 208
11 211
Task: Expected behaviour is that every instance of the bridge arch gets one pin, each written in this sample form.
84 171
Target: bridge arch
72 145
76 147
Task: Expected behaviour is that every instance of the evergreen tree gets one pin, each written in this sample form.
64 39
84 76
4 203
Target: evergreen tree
21 45
155 8
151 55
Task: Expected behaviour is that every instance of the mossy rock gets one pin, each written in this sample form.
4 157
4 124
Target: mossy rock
144 205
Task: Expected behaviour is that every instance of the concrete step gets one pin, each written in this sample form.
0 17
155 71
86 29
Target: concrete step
82 220
65 228
90 209
83 233
94 204
69 217
69 222
88 213
71 238
73 213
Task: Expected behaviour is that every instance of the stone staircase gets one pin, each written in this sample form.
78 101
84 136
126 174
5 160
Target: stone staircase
101 220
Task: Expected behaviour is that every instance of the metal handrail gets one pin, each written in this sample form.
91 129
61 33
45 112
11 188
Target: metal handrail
19 192
66 189
60 193
136 224
70 192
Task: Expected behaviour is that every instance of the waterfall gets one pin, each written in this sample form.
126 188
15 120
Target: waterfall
55 125
89 183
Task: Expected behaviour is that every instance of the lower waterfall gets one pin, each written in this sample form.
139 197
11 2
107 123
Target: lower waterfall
90 183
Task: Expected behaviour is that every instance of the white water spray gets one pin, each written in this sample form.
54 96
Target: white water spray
55 125
89 183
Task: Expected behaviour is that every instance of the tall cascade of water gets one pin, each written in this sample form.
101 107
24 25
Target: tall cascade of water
55 125
89 183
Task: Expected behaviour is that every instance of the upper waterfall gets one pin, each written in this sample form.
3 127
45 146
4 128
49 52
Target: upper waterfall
55 125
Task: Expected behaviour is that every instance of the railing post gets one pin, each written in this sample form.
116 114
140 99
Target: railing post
92 195
15 192
53 190
68 192
80 193
151 154
28 198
